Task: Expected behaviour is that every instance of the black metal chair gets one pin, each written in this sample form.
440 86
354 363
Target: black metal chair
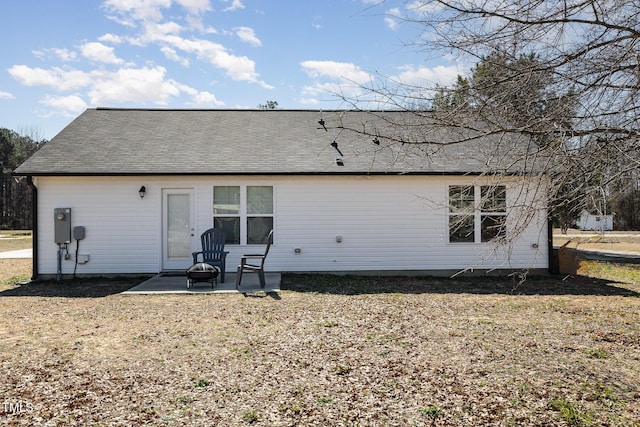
255 263
213 252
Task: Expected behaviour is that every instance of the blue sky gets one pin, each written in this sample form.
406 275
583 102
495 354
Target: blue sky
61 57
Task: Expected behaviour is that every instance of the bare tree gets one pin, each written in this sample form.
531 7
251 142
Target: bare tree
565 74
591 47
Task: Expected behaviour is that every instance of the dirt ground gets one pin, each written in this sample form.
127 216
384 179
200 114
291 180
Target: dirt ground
327 350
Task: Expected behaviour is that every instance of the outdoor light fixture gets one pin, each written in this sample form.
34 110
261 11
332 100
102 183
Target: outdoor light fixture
142 191
376 141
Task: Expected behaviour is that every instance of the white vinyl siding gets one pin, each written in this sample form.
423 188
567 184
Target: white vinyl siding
122 232
384 223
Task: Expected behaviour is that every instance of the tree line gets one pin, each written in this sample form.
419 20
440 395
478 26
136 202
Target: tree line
16 211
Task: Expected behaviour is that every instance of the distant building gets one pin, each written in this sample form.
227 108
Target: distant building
591 221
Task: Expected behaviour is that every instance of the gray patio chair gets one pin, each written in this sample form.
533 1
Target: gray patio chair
254 262
213 252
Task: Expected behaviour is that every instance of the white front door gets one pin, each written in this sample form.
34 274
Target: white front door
177 229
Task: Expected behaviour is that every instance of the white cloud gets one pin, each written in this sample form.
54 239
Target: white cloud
65 54
391 23
195 23
392 18
127 22
319 89
336 70
145 10
110 38
341 79
32 76
239 68
316 24
62 54
69 105
96 51
124 83
147 15
56 78
135 85
426 77
195 7
235 5
173 55
154 31
205 100
128 12
247 35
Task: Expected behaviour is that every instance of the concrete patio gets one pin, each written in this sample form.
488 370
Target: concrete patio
176 283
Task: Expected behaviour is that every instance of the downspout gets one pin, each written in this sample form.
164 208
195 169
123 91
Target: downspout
34 227
551 255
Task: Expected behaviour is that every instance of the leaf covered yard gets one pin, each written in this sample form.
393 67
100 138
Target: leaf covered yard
328 351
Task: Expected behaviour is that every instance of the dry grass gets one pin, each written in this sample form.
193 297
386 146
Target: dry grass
421 355
12 240
611 241
328 351
14 270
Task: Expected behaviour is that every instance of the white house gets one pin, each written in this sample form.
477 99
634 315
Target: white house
135 188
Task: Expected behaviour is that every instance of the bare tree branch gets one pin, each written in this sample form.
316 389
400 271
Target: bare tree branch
564 75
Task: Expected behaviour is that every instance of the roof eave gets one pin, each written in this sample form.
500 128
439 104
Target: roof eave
271 173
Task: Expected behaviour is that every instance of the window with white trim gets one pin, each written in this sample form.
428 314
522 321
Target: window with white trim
245 213
477 213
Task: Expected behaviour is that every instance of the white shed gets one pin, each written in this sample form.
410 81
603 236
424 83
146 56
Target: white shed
596 222
337 201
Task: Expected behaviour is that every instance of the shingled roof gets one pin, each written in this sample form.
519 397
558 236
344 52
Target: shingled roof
106 141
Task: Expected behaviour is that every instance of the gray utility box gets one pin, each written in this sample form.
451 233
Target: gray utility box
62 225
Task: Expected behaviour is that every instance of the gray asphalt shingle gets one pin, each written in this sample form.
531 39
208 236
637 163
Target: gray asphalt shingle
201 142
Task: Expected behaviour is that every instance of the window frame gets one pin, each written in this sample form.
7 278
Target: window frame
482 210
460 209
243 216
493 207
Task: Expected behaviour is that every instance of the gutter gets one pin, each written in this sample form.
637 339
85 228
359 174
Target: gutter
34 228
265 173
